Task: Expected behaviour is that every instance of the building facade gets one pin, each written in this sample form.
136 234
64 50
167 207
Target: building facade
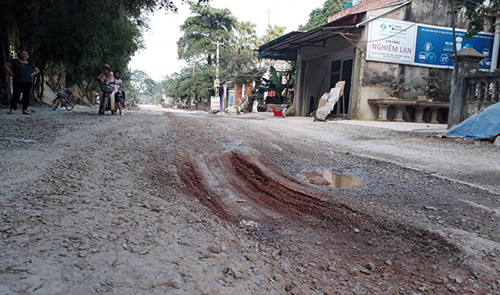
381 48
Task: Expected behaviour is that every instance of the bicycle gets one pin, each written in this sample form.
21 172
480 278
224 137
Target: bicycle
65 99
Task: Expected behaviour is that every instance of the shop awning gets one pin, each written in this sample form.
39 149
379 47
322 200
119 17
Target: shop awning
285 47
290 54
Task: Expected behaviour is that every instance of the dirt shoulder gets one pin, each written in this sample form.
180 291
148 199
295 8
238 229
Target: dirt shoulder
188 203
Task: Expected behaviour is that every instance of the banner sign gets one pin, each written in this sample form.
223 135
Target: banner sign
391 41
435 46
215 103
421 45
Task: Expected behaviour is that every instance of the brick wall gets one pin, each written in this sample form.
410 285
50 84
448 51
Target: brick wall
238 97
237 94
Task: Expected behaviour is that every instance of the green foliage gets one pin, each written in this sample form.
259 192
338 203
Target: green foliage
198 46
74 37
238 60
319 16
272 32
82 46
244 38
275 83
475 12
141 89
191 84
202 29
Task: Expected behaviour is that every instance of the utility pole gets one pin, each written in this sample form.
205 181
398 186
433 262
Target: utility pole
217 65
217 80
496 45
453 26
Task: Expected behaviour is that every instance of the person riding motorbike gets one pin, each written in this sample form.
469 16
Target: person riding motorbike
120 94
107 80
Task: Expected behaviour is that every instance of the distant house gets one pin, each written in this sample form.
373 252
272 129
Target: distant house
376 44
233 94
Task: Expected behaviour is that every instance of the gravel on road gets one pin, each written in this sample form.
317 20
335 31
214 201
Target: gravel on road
162 201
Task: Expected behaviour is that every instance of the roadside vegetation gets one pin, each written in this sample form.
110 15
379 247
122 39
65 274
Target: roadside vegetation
70 40
238 62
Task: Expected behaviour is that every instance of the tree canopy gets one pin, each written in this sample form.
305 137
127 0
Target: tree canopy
73 38
272 32
319 16
476 11
141 88
191 84
205 27
238 59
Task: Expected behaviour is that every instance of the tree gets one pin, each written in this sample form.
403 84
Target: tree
319 16
191 84
141 88
73 38
171 85
202 30
244 37
238 60
475 12
272 32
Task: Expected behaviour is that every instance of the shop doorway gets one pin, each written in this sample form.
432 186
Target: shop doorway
341 70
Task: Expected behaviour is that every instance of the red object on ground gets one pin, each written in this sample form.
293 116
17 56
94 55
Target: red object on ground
278 113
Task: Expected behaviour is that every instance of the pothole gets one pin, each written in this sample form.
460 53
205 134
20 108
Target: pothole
334 179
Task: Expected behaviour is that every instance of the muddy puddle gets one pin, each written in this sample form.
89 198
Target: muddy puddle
334 179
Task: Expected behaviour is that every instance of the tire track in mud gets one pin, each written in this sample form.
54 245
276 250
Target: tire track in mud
309 226
235 186
323 243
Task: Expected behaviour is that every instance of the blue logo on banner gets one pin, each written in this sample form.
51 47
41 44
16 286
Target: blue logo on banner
422 57
445 59
428 47
431 57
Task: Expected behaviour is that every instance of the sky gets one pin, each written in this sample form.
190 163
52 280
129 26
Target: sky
159 58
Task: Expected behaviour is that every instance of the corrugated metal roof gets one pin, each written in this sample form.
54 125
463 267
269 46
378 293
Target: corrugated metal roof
342 25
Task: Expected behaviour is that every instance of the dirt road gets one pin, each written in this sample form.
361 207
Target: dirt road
171 202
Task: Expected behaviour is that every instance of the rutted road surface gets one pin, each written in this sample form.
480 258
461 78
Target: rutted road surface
164 202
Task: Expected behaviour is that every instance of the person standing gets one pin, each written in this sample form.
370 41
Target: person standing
22 72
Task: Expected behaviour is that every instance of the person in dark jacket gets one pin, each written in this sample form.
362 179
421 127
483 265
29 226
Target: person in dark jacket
22 72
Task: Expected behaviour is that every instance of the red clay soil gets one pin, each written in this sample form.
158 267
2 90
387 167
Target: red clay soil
326 246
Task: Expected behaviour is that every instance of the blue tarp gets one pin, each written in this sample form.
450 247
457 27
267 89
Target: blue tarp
482 126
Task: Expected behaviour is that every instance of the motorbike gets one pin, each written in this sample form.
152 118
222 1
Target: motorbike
107 101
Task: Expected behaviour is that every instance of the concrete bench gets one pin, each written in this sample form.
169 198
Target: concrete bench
400 104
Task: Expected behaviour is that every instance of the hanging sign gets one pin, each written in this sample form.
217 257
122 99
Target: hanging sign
215 104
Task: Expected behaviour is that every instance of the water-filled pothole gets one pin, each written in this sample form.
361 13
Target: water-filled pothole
335 179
